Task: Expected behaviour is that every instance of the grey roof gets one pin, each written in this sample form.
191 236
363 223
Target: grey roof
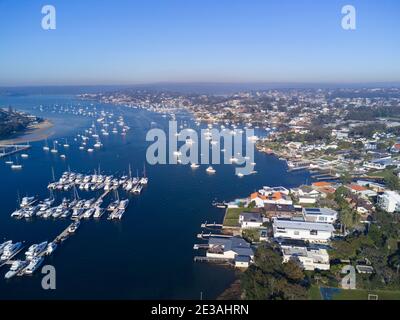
289 224
236 244
240 258
251 217
320 211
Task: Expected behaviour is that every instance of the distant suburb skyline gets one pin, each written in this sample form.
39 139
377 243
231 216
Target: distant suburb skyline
127 42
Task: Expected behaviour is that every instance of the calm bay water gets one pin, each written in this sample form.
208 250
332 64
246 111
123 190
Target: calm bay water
149 253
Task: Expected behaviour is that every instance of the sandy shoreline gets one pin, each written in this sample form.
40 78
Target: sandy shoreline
37 132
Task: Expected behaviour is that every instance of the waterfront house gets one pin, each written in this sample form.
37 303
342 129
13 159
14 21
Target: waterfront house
303 230
306 194
230 249
250 220
280 210
262 198
271 190
309 257
322 215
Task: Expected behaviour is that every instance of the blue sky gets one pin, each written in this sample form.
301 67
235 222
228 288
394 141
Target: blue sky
130 41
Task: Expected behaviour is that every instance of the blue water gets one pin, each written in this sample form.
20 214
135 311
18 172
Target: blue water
149 253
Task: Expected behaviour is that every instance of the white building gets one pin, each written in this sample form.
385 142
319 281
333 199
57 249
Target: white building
306 194
302 230
389 201
322 215
250 220
229 248
308 257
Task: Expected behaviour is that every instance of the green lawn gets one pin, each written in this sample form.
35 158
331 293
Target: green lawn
363 295
359 294
232 216
314 293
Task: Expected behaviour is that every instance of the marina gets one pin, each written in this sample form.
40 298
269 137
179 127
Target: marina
76 209
176 204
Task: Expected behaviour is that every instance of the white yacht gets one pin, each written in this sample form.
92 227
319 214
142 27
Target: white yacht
113 205
137 189
10 250
144 180
54 150
16 268
88 213
98 144
210 169
51 247
27 201
99 212
66 213
194 166
123 204
33 265
35 250
78 212
24 156
19 213
4 245
73 227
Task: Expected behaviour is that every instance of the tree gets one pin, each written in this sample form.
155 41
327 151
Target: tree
270 279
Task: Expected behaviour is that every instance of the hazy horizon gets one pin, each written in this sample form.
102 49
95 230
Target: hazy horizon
129 43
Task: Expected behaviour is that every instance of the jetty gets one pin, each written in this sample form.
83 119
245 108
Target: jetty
209 235
7 150
213 260
211 225
63 235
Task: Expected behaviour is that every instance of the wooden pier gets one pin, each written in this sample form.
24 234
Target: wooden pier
5 152
213 260
209 235
63 235
211 225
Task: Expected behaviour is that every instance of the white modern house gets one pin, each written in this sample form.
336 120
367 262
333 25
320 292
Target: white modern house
321 215
308 257
389 201
250 220
233 249
306 194
302 230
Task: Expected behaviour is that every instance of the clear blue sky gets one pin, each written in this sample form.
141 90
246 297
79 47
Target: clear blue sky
130 41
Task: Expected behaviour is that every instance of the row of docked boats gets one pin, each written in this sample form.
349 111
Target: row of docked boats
96 182
34 257
117 209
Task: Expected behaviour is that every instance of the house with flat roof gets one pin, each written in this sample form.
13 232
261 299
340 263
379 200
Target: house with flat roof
250 220
309 257
322 215
314 232
281 210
